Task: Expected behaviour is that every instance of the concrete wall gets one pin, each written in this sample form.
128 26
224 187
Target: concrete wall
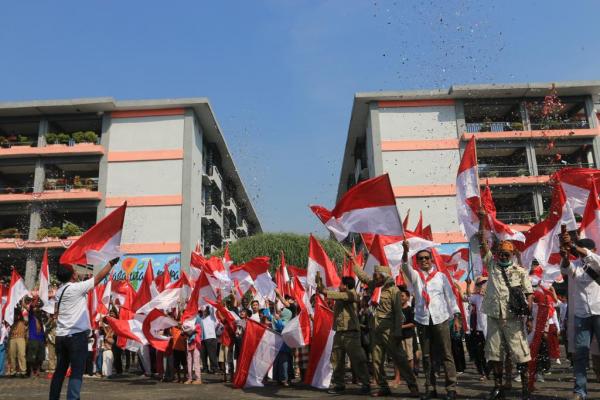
143 178
415 123
151 224
439 211
421 167
146 133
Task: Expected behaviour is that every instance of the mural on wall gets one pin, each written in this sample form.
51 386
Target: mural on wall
135 265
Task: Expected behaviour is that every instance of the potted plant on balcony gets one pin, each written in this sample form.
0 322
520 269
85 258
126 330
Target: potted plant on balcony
52 138
90 137
78 137
522 172
4 143
69 229
516 126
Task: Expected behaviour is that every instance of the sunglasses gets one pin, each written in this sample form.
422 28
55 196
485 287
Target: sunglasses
423 258
505 255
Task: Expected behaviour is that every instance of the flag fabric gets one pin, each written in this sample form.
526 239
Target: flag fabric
144 293
419 228
227 261
368 207
376 256
301 296
405 222
205 290
260 346
590 223
498 228
45 284
16 291
92 306
319 371
297 272
467 191
427 233
99 244
155 322
319 261
168 298
296 332
458 263
577 183
542 240
104 293
163 280
255 273
129 329
191 307
282 278
217 275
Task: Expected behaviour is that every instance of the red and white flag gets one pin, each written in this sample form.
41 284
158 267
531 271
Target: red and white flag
163 280
296 332
498 228
427 233
376 256
123 293
130 329
467 191
298 272
318 373
99 244
154 323
255 273
282 278
103 293
45 284
144 293
227 261
542 240
217 275
301 296
205 290
419 228
368 207
188 317
577 183
319 261
168 298
458 263
590 223
92 306
16 291
260 346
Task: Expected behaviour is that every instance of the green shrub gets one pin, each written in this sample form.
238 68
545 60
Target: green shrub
51 138
24 139
63 138
42 233
293 245
90 137
55 231
70 229
78 136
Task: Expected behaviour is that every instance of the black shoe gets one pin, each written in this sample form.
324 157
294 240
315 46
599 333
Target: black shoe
451 395
365 389
382 393
336 390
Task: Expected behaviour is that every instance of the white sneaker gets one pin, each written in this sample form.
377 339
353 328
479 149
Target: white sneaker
517 378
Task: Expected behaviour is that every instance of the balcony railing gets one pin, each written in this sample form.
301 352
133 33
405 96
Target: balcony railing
474 127
215 177
496 171
8 189
77 183
549 169
516 217
554 125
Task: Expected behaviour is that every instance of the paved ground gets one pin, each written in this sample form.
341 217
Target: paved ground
131 387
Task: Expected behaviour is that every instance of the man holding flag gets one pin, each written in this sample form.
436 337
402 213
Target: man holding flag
347 335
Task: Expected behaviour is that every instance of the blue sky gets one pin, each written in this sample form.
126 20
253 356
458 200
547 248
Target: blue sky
281 74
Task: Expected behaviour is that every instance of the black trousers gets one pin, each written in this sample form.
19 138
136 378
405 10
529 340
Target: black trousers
118 359
70 351
209 354
478 351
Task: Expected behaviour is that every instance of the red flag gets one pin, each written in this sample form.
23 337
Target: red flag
44 284
100 243
296 332
155 322
419 228
282 278
128 329
144 294
16 291
318 373
319 261
368 207
427 233
405 222
163 280
467 191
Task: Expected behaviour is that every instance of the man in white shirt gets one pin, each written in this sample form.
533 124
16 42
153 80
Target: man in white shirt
72 328
435 305
209 340
255 311
583 275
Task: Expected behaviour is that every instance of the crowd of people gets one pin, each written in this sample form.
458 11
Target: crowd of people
507 317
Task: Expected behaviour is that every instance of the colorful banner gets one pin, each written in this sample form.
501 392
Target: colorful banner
135 265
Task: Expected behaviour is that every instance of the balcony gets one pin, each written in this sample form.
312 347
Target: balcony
212 215
14 223
549 169
242 229
559 155
230 236
476 127
517 217
560 125
231 205
215 177
501 171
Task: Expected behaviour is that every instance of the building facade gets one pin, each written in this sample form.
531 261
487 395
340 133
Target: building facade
418 138
66 164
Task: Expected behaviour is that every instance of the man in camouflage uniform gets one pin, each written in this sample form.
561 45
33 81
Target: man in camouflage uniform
347 335
386 326
503 327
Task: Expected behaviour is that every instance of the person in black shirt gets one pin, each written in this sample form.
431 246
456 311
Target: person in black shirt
408 331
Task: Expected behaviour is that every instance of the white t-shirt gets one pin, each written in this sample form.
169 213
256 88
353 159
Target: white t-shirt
209 326
73 314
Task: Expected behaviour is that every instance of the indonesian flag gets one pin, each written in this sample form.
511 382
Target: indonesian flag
405 222
123 293
419 228
197 262
296 332
301 296
577 183
376 256
205 290
318 373
185 285
129 329
144 294
542 240
99 244
458 263
218 276
368 207
188 317
16 291
467 191
227 261
255 273
260 346
155 322
282 278
427 233
163 280
44 284
375 296
500 229
298 272
590 223
319 261
168 298
92 306
103 293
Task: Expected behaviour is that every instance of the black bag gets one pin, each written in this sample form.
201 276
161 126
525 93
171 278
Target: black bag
517 303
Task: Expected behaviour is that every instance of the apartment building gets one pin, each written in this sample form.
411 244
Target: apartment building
418 137
64 164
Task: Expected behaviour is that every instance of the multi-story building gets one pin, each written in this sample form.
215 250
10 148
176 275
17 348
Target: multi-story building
418 138
65 164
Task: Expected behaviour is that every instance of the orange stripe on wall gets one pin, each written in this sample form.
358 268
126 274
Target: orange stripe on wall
149 155
142 248
143 201
414 145
551 133
424 190
415 103
147 113
51 195
449 237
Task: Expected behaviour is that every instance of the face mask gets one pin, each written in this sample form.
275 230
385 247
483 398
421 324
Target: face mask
505 264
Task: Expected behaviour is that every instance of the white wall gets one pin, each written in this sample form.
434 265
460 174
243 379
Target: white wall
143 178
151 224
418 123
439 211
147 133
423 167
196 182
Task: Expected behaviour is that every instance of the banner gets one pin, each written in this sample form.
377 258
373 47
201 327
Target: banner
135 265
